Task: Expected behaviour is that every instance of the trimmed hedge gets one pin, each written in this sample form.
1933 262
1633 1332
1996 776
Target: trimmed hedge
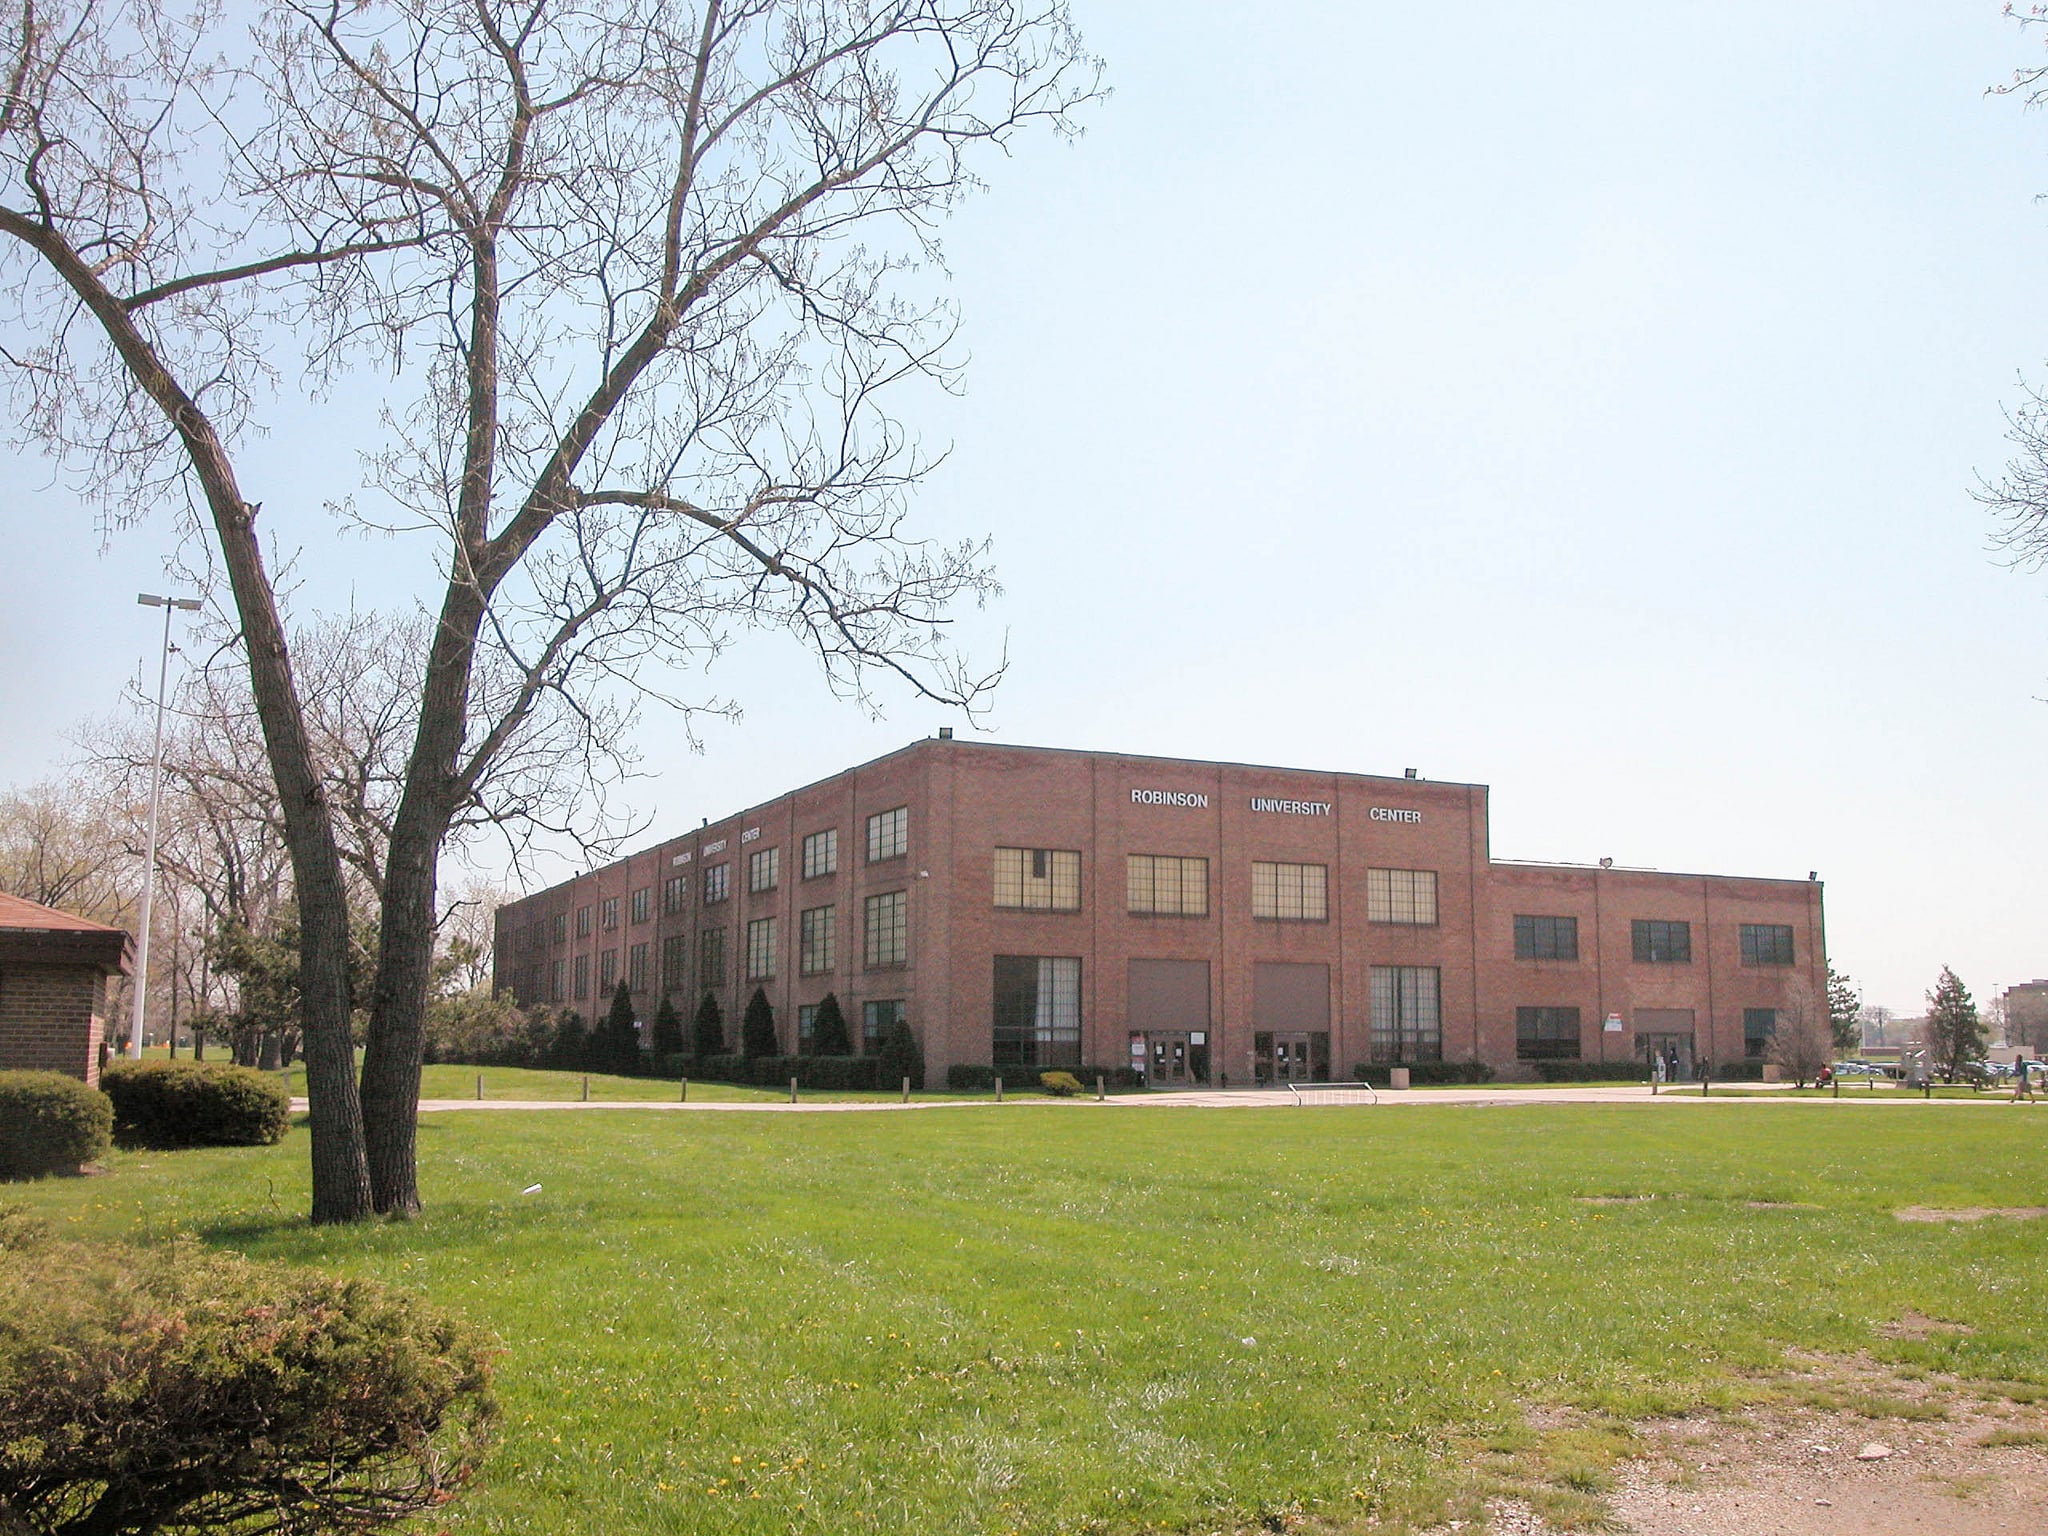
1631 1071
196 1104
50 1123
966 1077
1424 1073
823 1072
1061 1085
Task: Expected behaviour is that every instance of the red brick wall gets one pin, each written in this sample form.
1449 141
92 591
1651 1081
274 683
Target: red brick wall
51 1019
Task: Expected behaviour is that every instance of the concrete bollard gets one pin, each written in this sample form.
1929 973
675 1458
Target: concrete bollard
906 1090
686 1092
792 1090
999 1090
479 1087
586 1087
1098 1088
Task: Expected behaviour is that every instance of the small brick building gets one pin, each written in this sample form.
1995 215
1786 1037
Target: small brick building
53 987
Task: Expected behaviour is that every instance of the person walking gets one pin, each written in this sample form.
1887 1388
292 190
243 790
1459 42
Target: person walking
2022 1081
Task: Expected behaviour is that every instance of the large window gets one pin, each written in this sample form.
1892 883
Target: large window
675 962
876 1019
1165 885
1658 942
674 892
1037 1012
1407 1020
583 922
582 975
761 949
717 883
1291 893
607 972
889 835
643 904
1546 938
821 854
711 958
1758 1025
764 869
608 913
887 935
636 967
557 978
1401 896
1766 943
1547 1034
1038 879
817 941
561 927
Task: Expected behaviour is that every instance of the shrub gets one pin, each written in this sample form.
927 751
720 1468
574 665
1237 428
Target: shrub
566 1054
666 1038
1632 1071
616 1047
899 1056
757 1028
195 1104
1421 1073
708 1030
172 1390
485 1031
50 1123
1115 1079
1061 1085
828 1029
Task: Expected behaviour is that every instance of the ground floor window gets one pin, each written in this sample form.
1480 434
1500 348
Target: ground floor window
806 1027
1037 1011
1407 1020
1758 1025
876 1020
1546 1034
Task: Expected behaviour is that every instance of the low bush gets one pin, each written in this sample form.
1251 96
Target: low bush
1425 1073
480 1030
899 1056
1114 1079
195 1104
1061 1085
965 1077
50 1123
1593 1071
167 1389
837 1073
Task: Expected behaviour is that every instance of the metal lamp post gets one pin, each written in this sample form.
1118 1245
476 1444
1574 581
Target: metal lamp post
156 775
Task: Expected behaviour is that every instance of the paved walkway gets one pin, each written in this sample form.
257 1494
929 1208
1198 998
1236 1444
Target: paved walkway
1727 1093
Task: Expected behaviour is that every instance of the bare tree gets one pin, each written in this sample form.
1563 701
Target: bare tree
1802 1040
646 274
56 848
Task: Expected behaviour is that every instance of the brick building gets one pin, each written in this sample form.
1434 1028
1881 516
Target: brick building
53 987
1030 908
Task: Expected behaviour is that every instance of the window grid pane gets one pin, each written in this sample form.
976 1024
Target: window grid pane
1766 944
816 935
1546 1034
889 835
1166 885
764 869
643 904
1038 880
821 853
673 893
761 949
711 958
607 971
675 962
1658 941
717 883
1037 1020
1407 1021
1291 893
1401 896
1546 938
636 967
887 930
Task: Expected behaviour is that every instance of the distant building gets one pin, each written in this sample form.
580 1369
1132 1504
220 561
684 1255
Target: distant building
53 987
2026 1015
1026 908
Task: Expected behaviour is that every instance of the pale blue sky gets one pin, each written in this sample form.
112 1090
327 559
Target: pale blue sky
1581 401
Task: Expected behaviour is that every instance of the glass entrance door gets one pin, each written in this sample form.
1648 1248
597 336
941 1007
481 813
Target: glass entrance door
1281 1057
1169 1065
1674 1050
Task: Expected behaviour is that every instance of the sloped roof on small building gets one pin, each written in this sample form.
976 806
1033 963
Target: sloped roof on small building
31 932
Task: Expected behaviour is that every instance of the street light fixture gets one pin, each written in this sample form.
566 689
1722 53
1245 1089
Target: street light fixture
156 775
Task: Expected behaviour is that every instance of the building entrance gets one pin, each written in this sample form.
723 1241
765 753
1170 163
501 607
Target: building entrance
1670 1049
1281 1057
1171 1058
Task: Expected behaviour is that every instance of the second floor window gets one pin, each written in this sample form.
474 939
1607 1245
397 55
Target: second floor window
636 967
675 962
821 853
583 922
1165 885
764 869
1401 896
1661 942
711 958
761 949
887 935
643 904
608 913
1546 938
1291 893
1038 879
561 927
1766 943
817 944
607 971
673 893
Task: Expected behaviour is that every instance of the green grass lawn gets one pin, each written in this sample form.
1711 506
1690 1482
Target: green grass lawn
1088 1319
456 1082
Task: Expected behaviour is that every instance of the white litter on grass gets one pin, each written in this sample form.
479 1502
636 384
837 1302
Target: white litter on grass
531 1189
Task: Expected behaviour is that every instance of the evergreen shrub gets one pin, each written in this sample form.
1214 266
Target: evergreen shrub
1631 1071
1061 1085
50 1123
1421 1073
195 1104
757 1028
898 1056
